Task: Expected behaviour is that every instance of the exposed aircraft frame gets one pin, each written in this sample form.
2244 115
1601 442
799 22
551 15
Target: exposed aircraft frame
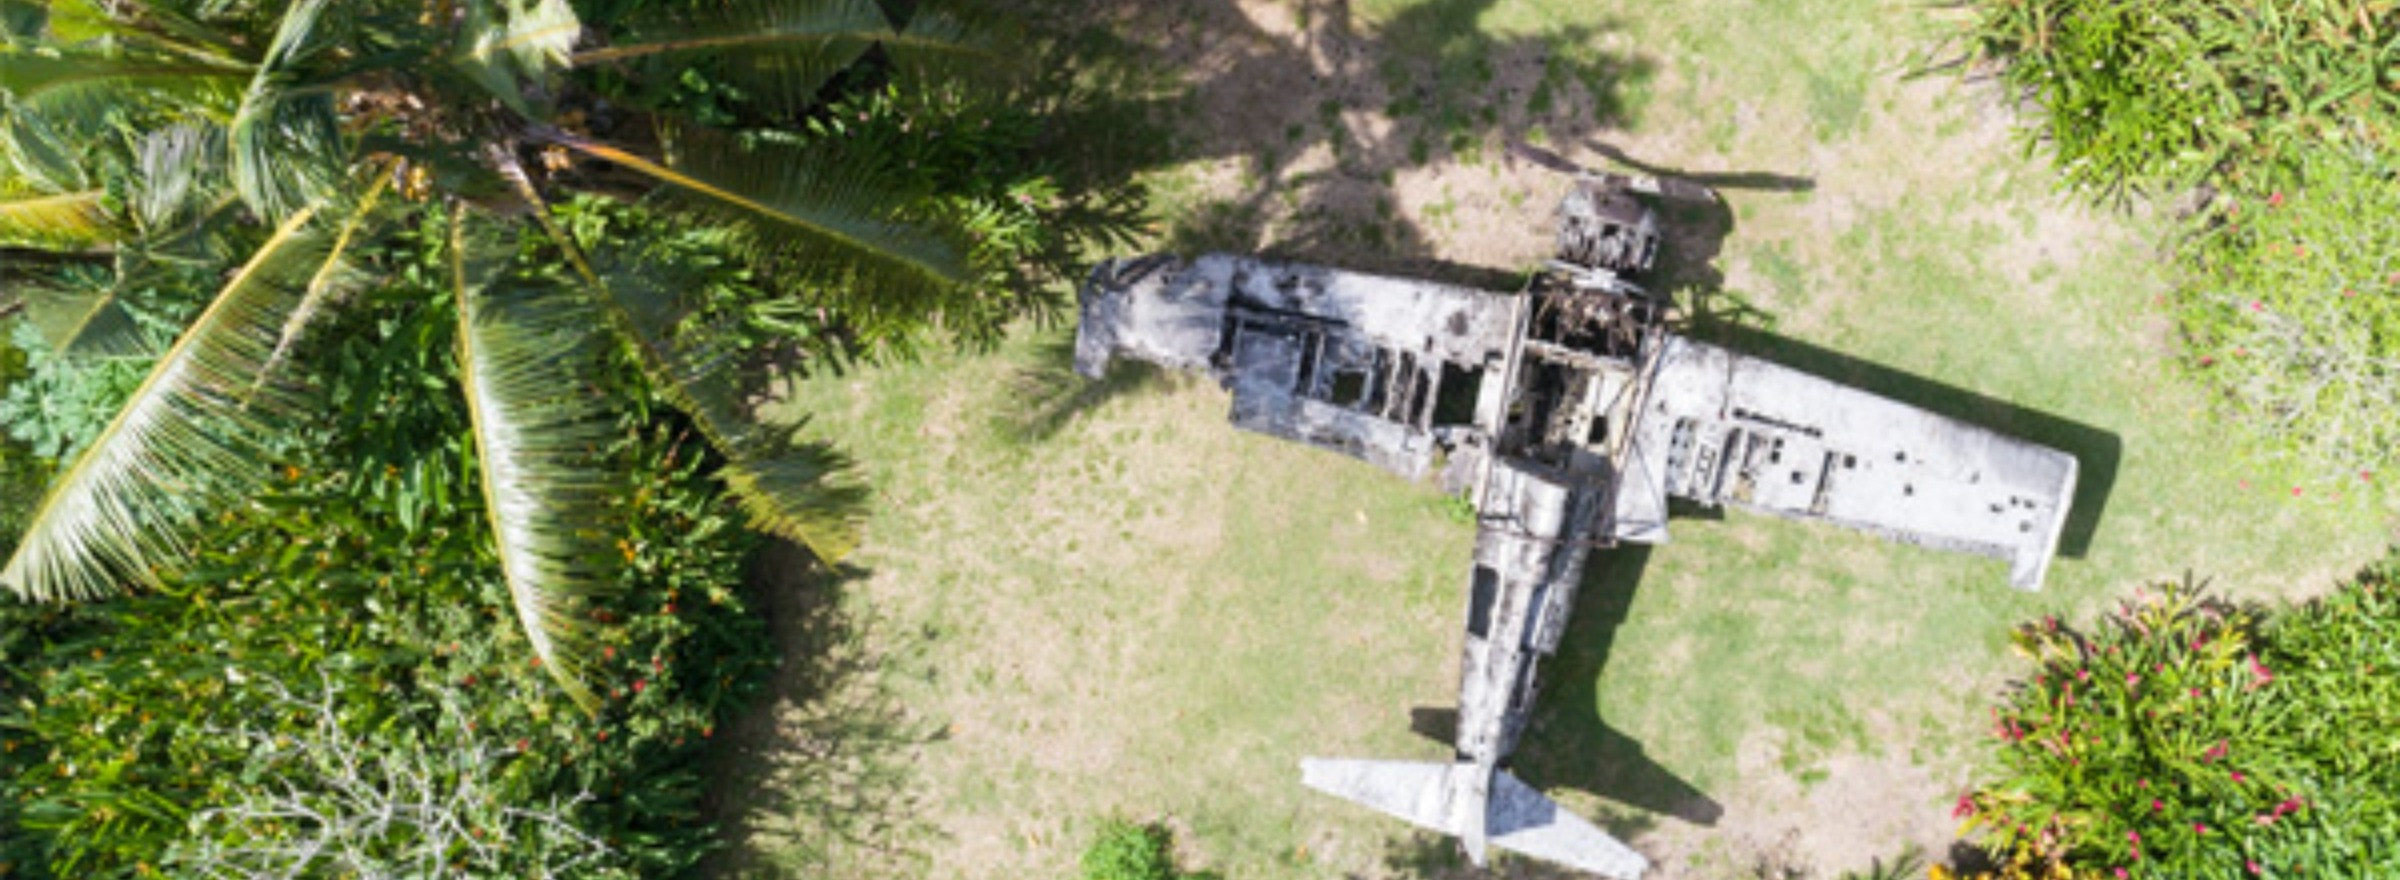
1568 415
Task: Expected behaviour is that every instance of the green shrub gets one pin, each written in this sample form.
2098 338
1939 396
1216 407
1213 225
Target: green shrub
1126 851
356 605
2163 94
2182 737
2289 304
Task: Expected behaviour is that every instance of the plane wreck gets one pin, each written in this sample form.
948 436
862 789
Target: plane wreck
1569 415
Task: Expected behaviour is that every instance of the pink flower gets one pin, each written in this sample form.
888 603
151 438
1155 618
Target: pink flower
2195 693
1965 808
2132 679
2198 828
2275 200
2134 836
2295 491
2253 866
2257 306
2264 819
2120 874
2237 775
2157 805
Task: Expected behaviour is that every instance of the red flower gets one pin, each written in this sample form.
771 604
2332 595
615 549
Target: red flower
1965 808
608 652
2274 200
602 736
638 684
2237 775
522 744
2295 491
670 609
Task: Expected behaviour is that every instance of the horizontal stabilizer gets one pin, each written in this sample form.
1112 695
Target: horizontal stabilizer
1517 818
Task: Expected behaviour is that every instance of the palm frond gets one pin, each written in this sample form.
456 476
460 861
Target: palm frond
784 51
522 354
65 220
28 76
788 488
509 43
285 143
334 275
814 212
38 155
84 315
139 24
188 437
180 169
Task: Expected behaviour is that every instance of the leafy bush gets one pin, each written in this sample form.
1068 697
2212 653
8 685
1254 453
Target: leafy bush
2290 305
2183 737
1126 851
2164 94
356 605
2285 114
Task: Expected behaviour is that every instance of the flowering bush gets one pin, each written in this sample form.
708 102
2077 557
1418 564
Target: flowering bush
2181 737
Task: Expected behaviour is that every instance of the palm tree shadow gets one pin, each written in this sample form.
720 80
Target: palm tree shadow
1315 114
815 776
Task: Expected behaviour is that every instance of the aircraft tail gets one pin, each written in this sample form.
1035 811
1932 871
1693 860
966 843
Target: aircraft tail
1457 799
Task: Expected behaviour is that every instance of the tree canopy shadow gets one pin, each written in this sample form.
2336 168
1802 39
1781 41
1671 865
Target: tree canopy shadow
813 778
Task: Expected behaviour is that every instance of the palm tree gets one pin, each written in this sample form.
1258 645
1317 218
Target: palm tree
143 136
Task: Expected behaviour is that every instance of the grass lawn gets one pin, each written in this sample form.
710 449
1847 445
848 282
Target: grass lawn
1137 610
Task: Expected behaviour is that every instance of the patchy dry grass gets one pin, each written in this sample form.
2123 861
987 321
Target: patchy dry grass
1138 610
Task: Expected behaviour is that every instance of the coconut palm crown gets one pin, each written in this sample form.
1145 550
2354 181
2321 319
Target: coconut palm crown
135 134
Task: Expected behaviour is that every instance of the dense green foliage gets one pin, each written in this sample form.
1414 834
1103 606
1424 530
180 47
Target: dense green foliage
274 152
2163 94
2285 116
2184 737
354 610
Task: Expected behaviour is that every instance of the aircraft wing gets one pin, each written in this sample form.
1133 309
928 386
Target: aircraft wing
1723 428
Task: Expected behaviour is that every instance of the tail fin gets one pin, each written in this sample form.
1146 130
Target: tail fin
1446 797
